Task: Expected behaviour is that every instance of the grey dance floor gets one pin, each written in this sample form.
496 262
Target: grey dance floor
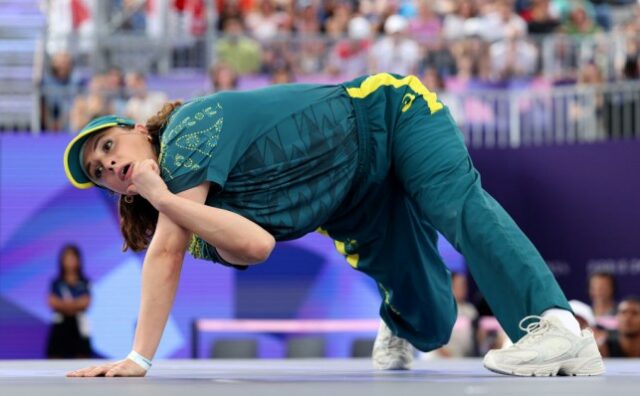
308 377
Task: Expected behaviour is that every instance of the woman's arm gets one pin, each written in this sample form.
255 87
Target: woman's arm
160 275
59 305
81 303
237 239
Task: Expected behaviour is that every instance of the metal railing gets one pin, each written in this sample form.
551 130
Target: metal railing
514 118
560 115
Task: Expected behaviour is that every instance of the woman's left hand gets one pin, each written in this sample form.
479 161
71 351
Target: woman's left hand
123 368
147 181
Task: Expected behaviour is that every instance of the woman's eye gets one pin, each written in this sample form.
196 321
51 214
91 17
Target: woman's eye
107 146
98 172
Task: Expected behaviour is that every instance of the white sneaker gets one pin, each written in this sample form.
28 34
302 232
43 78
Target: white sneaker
548 349
391 352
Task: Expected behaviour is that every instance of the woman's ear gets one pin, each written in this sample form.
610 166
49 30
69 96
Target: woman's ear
141 128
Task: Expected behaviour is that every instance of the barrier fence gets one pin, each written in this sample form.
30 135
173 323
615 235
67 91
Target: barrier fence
501 118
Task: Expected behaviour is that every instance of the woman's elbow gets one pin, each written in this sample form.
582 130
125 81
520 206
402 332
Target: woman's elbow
261 249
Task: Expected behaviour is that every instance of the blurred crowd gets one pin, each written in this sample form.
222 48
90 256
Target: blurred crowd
614 322
452 45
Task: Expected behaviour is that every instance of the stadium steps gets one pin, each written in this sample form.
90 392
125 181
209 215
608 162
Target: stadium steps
21 27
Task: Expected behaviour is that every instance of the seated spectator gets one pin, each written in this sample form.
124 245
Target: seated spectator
349 57
513 57
454 23
115 89
94 103
69 298
237 50
426 27
306 22
586 319
435 83
461 343
60 84
625 342
222 78
395 52
336 24
133 12
263 22
579 22
602 289
142 104
503 22
282 75
539 17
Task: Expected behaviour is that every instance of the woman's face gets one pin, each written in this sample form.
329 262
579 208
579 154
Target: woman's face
110 157
70 262
600 287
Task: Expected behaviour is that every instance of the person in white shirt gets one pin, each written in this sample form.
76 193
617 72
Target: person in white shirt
395 51
143 103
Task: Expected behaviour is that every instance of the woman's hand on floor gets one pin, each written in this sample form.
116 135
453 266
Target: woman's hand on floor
123 368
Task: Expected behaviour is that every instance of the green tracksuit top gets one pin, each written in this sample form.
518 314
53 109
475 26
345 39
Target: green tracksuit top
283 156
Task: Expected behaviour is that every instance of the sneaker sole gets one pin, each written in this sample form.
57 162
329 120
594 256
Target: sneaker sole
570 367
396 365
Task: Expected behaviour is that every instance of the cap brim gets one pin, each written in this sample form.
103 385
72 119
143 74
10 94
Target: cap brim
72 166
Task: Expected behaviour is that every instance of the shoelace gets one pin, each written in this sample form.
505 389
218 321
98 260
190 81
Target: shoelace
533 329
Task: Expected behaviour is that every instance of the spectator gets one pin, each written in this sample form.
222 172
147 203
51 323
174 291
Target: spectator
94 103
426 28
513 57
143 104
580 23
59 84
586 319
336 24
503 22
435 83
306 22
583 313
237 50
461 343
222 78
69 298
625 342
395 52
539 18
454 26
115 89
263 22
460 290
232 9
590 74
349 57
133 13
282 75
602 289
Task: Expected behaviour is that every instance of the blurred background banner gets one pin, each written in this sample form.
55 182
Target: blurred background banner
578 204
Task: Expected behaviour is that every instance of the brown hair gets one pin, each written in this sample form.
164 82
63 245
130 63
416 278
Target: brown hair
138 218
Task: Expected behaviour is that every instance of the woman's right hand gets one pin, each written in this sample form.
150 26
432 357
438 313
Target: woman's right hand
123 368
147 182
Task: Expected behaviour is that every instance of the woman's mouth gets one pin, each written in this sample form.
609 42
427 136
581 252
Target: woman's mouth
125 172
